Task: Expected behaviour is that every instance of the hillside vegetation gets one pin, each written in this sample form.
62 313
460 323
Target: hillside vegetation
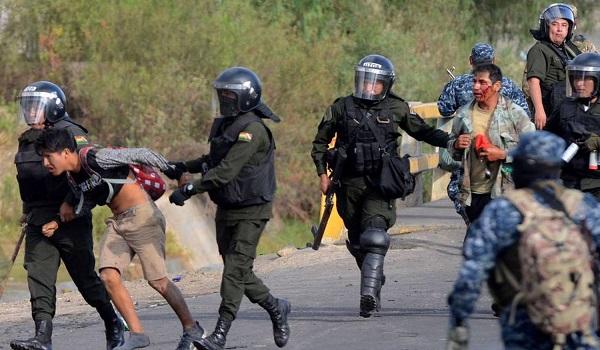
139 73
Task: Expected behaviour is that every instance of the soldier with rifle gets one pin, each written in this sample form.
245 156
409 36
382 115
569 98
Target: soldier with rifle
368 124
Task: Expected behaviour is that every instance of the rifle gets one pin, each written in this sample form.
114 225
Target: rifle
4 278
335 175
450 72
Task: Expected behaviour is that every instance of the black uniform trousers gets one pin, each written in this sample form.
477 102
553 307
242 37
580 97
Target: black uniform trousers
359 204
73 243
237 241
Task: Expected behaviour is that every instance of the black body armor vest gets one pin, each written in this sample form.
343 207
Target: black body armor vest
366 134
576 126
38 188
255 184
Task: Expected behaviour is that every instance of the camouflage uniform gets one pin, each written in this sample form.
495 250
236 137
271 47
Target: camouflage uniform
583 43
459 91
455 167
508 122
489 237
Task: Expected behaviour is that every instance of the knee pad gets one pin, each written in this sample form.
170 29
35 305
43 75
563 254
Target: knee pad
374 240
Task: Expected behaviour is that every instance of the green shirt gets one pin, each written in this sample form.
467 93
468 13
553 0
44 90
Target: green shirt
403 120
545 64
251 148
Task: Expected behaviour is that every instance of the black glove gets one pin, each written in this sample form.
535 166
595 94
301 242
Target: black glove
175 170
182 194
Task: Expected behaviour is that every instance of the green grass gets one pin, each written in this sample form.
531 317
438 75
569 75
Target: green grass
292 232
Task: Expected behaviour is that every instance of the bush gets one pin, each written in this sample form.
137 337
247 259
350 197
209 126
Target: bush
139 72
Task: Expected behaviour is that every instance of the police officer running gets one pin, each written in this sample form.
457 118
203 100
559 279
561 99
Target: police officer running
577 121
372 113
239 176
49 199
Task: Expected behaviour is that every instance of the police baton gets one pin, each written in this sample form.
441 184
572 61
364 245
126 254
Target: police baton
4 278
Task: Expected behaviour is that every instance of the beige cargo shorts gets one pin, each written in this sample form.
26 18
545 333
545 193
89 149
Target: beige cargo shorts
139 230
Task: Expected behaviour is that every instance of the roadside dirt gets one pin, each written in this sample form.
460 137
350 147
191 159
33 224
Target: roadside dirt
73 312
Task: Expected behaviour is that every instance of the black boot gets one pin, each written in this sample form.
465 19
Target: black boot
41 341
372 279
115 333
278 309
114 328
215 341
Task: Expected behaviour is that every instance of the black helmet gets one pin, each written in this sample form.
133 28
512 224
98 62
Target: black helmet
42 100
238 90
552 12
369 71
582 71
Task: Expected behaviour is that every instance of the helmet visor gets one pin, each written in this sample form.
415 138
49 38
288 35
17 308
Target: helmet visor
34 106
582 82
228 101
372 84
559 11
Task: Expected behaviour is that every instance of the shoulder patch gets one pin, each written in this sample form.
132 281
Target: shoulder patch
245 136
81 140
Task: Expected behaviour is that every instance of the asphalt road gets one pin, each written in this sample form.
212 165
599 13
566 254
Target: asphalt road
420 269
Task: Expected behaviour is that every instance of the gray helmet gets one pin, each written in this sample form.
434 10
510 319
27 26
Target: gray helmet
556 11
582 72
42 101
238 90
374 77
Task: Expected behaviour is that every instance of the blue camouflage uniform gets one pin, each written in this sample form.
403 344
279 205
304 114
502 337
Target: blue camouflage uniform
494 232
459 91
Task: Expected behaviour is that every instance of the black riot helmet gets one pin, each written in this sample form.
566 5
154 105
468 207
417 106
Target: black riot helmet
373 78
42 101
238 90
553 12
583 76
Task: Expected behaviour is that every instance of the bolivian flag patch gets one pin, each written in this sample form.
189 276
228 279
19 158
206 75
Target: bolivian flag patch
80 140
245 136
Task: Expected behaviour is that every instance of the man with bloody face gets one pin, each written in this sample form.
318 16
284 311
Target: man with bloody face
483 132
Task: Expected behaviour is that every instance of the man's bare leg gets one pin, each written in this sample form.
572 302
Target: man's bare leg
173 296
121 298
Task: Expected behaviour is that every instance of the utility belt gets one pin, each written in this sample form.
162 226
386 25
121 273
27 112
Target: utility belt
365 158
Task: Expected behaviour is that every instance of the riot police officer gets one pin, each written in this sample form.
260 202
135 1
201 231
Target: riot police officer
45 199
361 120
239 176
546 60
578 121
